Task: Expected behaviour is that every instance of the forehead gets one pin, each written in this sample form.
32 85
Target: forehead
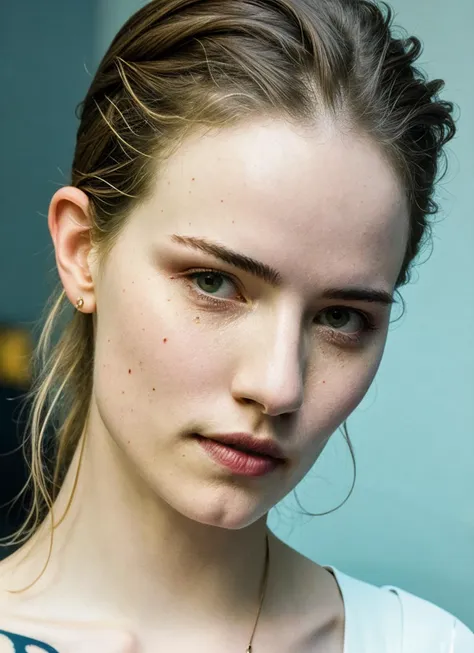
319 204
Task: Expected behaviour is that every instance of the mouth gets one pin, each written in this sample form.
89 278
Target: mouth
239 460
246 443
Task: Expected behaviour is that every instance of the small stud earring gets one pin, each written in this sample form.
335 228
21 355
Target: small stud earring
79 303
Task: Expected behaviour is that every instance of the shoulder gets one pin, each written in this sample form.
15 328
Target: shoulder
415 624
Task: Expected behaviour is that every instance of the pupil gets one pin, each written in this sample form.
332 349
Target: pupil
338 316
209 278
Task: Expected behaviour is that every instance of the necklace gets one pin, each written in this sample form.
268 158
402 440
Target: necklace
264 587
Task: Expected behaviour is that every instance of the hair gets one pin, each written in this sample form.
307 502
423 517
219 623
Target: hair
180 65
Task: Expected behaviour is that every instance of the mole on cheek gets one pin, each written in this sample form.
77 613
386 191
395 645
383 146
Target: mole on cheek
165 339
129 371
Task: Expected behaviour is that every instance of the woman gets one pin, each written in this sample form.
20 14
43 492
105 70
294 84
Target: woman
251 183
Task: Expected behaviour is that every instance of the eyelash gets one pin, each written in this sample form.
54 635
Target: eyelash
339 337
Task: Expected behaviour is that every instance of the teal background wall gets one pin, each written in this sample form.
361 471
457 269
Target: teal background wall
410 519
45 48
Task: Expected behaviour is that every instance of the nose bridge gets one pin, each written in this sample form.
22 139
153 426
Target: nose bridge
272 363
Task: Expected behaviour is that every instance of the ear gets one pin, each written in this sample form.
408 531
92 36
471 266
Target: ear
69 226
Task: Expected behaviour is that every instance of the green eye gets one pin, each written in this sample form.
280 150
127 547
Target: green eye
207 283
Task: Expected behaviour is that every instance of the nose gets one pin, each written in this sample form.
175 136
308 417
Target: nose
271 367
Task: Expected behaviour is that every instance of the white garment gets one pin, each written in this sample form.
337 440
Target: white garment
390 620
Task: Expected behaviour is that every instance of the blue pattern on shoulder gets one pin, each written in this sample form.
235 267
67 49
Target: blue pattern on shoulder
20 643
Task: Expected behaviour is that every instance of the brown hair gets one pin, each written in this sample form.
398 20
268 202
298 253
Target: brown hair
179 64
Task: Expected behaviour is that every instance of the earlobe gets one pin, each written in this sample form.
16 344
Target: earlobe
69 226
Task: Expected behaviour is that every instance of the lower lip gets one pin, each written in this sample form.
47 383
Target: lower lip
238 462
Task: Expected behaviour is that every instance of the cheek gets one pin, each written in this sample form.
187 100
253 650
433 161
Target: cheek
336 389
152 359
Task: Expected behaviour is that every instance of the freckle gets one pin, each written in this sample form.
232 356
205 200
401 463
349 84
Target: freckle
172 277
197 319
324 381
165 339
193 179
222 200
123 289
123 392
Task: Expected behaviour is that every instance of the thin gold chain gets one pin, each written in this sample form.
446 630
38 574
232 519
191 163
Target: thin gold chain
264 587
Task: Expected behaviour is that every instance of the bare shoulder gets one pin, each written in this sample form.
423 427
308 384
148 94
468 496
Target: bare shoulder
19 633
23 629
314 595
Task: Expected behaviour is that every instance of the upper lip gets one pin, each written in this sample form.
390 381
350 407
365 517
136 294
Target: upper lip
250 443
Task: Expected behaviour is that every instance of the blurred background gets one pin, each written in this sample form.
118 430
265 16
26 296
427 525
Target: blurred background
410 519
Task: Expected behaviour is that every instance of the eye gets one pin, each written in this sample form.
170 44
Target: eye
208 283
346 325
339 317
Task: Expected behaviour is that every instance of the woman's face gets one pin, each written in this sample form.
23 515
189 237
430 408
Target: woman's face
179 351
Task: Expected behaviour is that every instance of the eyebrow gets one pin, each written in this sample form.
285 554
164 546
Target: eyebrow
273 277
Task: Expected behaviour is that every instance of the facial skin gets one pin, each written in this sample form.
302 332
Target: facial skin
325 210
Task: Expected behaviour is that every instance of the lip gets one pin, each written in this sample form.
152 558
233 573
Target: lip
247 442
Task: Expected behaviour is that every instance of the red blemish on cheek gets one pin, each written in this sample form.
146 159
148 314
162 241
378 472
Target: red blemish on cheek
165 339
